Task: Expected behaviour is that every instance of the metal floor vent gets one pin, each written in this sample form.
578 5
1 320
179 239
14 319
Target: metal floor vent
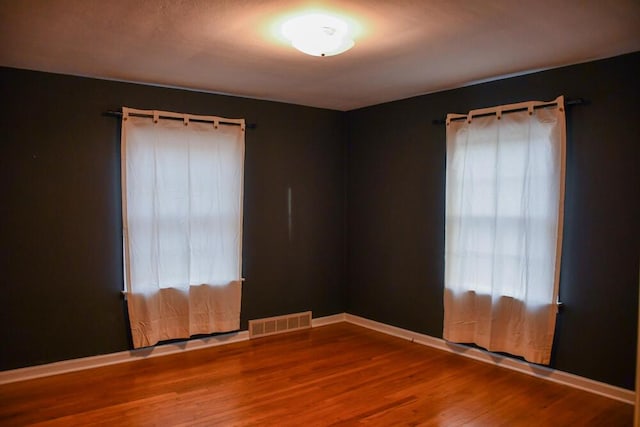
279 324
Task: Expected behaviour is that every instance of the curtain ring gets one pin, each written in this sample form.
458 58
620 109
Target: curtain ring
155 116
215 124
530 109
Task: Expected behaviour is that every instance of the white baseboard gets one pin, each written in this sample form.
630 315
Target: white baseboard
328 320
565 378
72 365
613 392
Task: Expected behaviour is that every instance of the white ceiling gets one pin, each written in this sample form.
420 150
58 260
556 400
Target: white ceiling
404 48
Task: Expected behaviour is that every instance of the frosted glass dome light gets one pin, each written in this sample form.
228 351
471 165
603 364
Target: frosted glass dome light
318 34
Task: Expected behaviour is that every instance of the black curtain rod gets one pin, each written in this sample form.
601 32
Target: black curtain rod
567 103
119 114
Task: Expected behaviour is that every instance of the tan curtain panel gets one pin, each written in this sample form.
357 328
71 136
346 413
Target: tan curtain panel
182 182
503 238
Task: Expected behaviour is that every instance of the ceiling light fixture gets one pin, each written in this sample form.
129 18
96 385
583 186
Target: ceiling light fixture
318 34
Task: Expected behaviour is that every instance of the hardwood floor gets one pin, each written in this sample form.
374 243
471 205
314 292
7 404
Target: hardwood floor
340 374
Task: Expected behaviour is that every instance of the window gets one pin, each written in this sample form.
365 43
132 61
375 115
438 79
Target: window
182 179
505 187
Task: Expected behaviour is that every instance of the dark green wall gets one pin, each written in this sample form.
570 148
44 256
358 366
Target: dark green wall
368 211
396 194
61 271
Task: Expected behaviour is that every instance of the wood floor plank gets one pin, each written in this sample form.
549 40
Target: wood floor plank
340 375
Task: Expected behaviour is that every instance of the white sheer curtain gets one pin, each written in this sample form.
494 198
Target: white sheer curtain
182 183
504 213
